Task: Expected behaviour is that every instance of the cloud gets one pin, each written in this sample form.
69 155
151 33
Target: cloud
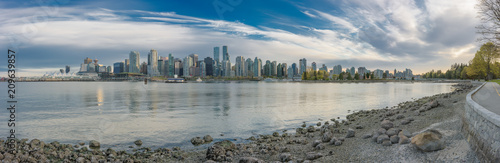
383 34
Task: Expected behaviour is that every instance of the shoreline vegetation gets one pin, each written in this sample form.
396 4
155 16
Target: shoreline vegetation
380 135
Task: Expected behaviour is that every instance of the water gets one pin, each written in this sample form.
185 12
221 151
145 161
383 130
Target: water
166 115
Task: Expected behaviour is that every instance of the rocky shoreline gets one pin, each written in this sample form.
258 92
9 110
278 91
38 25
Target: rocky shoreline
382 135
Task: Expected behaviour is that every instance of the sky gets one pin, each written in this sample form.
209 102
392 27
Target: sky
421 35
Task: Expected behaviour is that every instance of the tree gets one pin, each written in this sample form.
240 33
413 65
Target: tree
483 61
464 73
349 77
304 75
341 76
356 76
489 13
367 76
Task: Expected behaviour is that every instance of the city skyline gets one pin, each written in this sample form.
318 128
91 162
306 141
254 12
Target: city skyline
385 35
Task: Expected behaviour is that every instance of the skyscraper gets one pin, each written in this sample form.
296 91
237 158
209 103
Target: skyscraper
295 72
194 57
209 66
144 68
274 68
87 60
203 70
126 65
171 65
337 69
225 53
153 63
353 71
313 65
240 66
67 69
303 66
216 55
257 66
118 67
249 67
134 65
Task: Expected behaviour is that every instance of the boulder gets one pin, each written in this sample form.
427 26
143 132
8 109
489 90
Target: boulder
315 143
216 153
226 144
394 139
403 139
386 143
94 144
375 137
381 131
350 133
338 143
194 141
382 138
139 142
208 138
285 157
366 136
405 122
311 129
327 136
320 147
313 156
428 141
386 124
250 160
318 124
392 131
405 133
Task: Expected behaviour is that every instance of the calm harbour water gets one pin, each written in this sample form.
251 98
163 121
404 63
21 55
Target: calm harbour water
166 115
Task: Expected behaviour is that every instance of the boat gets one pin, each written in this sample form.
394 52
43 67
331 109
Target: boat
199 80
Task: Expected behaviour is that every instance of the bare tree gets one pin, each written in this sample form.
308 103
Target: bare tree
489 13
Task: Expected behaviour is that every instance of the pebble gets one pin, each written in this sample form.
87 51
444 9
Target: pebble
139 142
382 138
386 124
366 136
285 157
350 133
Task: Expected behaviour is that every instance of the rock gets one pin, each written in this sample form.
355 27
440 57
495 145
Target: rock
94 144
310 135
375 137
81 143
318 124
405 133
405 122
386 124
176 148
333 140
327 136
366 136
382 138
428 141
403 139
80 160
434 104
139 142
315 143
359 127
216 153
392 131
313 156
250 160
208 138
304 124
35 143
320 147
381 131
226 144
400 116
311 129
350 133
276 134
386 143
394 139
340 139
285 157
338 143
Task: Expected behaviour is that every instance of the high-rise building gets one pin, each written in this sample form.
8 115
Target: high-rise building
178 67
62 71
203 70
209 66
109 69
216 55
274 68
153 63
225 53
290 72
313 65
284 69
144 68
267 68
134 65
249 67
240 66
362 72
353 71
118 67
303 66
295 72
324 68
67 69
187 63
195 60
257 66
161 66
171 65
126 65
279 69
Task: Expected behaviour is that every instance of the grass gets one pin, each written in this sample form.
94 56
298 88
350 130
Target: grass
497 81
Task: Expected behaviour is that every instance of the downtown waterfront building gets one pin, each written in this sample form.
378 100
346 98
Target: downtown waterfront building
134 62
